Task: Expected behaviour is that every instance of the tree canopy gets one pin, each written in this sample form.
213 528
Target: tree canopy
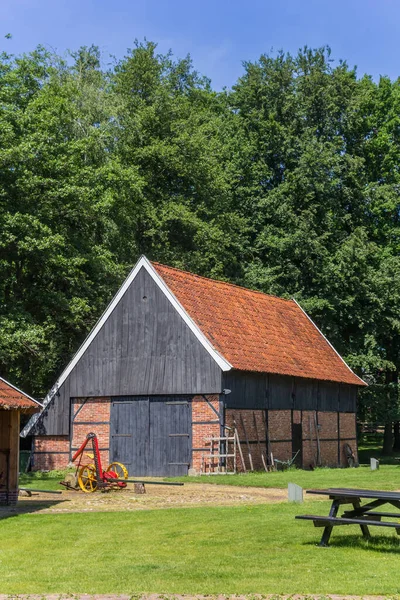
287 183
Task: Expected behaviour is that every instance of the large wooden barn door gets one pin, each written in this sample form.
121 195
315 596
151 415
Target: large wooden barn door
152 435
129 434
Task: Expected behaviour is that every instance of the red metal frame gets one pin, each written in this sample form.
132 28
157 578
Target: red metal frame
103 477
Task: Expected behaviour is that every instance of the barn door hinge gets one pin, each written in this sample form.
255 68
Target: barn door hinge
182 463
178 435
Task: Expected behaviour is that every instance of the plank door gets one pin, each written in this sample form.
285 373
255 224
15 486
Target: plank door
151 436
129 434
170 436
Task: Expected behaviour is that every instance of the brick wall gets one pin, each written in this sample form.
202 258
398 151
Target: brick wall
333 431
94 416
50 452
280 433
250 426
205 424
53 452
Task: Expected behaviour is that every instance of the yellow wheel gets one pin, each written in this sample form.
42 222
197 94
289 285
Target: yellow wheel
119 469
87 478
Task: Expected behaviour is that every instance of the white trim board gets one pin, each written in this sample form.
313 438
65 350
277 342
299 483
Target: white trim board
328 342
143 262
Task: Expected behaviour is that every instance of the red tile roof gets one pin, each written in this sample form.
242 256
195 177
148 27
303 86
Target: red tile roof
11 398
254 331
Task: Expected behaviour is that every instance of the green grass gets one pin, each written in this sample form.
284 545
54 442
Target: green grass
370 446
43 481
386 478
229 550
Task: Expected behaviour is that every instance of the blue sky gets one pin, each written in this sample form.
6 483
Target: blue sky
219 34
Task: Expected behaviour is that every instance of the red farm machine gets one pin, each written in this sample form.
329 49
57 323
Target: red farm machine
91 477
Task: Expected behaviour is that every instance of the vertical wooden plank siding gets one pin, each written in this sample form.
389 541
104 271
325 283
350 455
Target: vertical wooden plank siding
144 348
282 392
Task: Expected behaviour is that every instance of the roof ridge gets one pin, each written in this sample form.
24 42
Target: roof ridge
228 283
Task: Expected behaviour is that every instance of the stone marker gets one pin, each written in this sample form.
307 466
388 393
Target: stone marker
374 464
295 493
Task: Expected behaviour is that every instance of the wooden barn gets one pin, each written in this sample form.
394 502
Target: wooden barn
13 402
177 359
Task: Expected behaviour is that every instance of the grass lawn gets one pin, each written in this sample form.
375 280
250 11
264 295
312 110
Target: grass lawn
386 478
43 481
230 550
370 445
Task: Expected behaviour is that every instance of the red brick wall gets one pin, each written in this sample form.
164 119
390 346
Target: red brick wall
50 452
94 416
331 438
347 435
252 424
53 452
205 424
280 433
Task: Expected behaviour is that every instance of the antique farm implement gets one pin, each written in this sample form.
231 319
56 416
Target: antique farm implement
91 477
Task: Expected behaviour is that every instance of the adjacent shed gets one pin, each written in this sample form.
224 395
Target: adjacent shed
13 402
177 359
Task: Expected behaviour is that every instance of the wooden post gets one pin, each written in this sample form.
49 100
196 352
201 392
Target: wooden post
239 446
247 442
258 441
318 443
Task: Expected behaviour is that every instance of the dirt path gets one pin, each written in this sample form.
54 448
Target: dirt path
156 497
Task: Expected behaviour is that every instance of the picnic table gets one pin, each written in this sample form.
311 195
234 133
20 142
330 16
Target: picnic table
363 513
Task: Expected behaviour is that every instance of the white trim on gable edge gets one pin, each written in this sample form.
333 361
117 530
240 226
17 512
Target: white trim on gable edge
146 264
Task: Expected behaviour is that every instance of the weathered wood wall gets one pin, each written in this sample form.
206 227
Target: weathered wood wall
280 392
144 348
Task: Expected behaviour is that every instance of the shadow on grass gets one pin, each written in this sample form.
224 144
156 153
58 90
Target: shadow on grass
25 507
377 543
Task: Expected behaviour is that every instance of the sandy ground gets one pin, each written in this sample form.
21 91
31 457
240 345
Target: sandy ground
156 497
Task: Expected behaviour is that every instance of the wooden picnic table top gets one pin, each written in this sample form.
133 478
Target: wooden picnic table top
356 493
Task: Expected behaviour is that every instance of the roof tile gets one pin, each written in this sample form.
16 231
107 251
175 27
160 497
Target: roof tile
255 331
13 399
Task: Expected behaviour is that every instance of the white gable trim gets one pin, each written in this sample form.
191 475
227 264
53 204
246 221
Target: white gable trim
142 262
335 351
20 391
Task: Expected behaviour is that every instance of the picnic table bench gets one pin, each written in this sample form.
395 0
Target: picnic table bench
361 514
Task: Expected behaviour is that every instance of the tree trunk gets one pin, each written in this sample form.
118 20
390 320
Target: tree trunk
396 430
388 439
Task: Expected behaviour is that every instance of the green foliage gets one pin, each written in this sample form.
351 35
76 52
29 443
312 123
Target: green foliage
289 184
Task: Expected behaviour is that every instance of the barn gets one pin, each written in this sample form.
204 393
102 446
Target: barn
177 361
13 402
